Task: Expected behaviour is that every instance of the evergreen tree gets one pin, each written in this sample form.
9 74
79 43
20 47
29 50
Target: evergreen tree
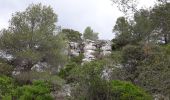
31 37
89 34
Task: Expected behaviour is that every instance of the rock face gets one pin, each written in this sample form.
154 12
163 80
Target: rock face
74 49
106 48
63 93
90 49
106 73
40 67
6 56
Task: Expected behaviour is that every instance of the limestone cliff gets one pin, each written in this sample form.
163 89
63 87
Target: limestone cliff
90 49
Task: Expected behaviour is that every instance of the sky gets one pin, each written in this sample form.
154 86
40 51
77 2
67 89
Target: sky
100 15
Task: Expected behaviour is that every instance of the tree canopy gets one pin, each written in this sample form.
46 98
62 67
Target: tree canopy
89 34
72 35
31 36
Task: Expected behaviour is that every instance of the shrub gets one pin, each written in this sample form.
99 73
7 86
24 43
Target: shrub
132 56
6 86
65 72
77 59
121 90
25 78
91 86
5 69
39 90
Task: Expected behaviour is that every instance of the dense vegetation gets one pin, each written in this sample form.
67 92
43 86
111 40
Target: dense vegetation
139 63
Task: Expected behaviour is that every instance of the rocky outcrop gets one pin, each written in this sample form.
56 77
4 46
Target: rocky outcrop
106 73
40 67
6 56
90 49
106 48
63 93
74 49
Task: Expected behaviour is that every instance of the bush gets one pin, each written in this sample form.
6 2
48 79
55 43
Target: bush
5 69
121 90
6 86
77 59
65 72
132 57
29 77
91 86
167 49
39 90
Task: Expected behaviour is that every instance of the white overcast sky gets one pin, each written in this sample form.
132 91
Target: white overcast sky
101 15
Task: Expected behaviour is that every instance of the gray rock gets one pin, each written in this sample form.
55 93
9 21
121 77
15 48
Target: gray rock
6 56
90 49
106 74
40 67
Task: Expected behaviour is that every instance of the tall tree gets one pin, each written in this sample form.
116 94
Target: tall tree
90 34
31 37
123 32
160 16
143 26
134 31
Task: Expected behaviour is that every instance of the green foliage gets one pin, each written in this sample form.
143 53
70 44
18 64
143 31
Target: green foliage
154 71
77 59
160 17
90 85
5 69
123 33
132 56
6 86
144 61
29 54
89 34
133 31
39 90
121 90
147 66
167 49
65 72
83 72
29 77
72 35
132 52
143 26
117 56
32 37
84 78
